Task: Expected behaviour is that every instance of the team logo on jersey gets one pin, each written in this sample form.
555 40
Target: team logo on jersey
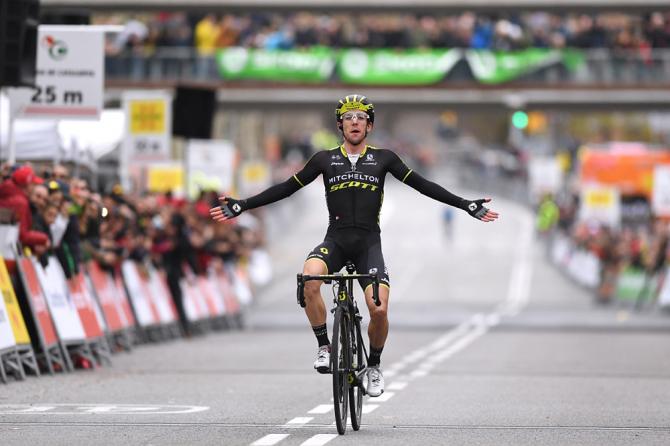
336 156
324 250
369 157
372 271
334 163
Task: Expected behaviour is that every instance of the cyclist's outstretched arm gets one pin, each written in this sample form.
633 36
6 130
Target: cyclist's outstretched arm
231 208
433 190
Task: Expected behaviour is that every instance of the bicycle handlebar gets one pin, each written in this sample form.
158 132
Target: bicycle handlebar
339 278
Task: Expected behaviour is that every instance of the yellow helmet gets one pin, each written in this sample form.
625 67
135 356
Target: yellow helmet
355 102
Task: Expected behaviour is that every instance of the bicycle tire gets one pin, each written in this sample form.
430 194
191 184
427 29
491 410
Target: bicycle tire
356 390
339 360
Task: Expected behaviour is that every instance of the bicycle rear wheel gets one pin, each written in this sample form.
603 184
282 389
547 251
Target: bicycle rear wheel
339 360
356 387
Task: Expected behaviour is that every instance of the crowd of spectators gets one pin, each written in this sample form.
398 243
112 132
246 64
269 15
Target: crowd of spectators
508 31
643 246
60 215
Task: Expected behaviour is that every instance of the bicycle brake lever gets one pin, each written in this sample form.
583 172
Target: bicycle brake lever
301 291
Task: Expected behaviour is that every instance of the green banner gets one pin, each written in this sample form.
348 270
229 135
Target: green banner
632 284
491 67
391 67
309 65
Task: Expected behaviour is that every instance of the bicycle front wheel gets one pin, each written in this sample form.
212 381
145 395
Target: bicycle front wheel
339 364
355 386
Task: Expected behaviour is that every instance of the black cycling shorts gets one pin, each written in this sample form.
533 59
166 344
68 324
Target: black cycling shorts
363 248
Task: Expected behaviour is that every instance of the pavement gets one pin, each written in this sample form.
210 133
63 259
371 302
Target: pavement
489 345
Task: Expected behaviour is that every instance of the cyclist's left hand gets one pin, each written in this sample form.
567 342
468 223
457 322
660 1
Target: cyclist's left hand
477 209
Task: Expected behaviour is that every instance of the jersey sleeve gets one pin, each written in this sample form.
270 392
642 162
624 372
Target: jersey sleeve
428 188
306 175
397 167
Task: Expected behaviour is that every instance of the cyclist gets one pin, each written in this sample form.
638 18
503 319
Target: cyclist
353 176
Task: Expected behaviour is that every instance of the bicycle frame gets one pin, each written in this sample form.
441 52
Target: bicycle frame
345 295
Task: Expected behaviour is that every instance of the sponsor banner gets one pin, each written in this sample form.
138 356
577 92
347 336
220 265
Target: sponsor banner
660 197
210 165
104 289
9 236
255 177
306 65
631 285
492 67
391 67
61 306
69 75
85 306
230 300
664 295
242 285
127 316
148 126
165 177
544 176
13 311
38 302
161 297
6 333
212 295
139 297
600 204
195 304
628 168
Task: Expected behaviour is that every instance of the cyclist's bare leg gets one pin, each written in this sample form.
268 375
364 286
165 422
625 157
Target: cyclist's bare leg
314 306
379 323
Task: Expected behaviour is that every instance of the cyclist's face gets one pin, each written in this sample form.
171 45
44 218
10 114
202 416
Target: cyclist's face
355 126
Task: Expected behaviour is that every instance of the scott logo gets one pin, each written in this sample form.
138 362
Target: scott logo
472 206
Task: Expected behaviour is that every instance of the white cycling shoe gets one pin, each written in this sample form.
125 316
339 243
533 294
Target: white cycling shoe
375 385
322 363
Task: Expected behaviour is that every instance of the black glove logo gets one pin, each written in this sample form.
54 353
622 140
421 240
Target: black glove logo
237 208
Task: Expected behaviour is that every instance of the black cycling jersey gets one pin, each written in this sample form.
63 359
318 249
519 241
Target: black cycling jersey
354 191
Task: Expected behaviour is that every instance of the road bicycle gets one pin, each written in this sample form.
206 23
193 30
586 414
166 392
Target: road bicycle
348 354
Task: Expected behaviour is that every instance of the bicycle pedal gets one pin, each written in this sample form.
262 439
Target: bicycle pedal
323 370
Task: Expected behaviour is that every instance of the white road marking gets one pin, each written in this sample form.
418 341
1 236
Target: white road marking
397 385
319 440
269 440
367 408
322 408
97 409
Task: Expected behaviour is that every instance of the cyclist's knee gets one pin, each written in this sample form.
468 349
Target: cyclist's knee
312 289
379 313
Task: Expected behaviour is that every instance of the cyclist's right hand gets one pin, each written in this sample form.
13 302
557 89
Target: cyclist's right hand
230 208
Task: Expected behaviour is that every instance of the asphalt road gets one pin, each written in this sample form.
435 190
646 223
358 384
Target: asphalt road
488 345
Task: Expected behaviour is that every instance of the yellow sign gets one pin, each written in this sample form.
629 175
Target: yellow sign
14 311
602 198
165 178
147 116
255 172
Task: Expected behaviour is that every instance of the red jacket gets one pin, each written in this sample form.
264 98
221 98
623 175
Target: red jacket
14 198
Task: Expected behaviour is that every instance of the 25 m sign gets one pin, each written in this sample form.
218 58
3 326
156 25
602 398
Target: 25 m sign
69 81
